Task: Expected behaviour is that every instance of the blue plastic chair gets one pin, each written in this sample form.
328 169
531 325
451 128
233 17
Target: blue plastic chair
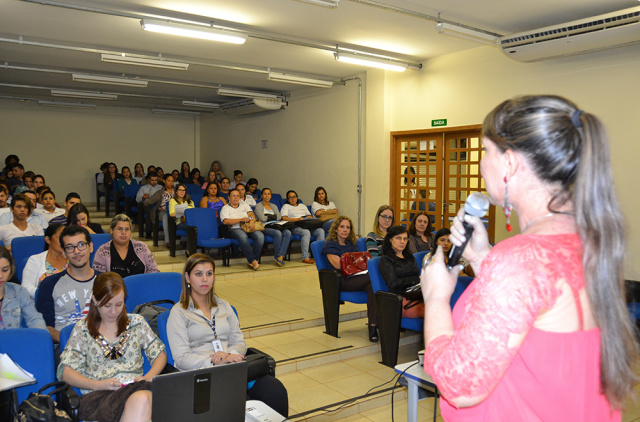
98 240
420 257
331 294
202 231
276 199
22 248
143 288
32 349
362 244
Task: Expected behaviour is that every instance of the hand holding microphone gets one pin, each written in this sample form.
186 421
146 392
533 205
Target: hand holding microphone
477 204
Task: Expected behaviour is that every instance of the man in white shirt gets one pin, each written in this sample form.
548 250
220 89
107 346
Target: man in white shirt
147 200
34 217
292 211
21 208
4 195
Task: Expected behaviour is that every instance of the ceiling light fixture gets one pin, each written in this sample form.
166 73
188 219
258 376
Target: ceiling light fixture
292 79
83 94
139 61
466 33
227 92
200 104
325 3
170 111
65 105
80 77
371 61
194 31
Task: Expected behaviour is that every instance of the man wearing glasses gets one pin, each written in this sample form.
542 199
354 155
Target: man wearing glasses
64 298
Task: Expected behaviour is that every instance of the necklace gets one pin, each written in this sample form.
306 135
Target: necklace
551 214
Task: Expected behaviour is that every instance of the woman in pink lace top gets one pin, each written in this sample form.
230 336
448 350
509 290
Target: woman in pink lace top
542 334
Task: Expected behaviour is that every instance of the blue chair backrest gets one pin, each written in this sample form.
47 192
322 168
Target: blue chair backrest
322 263
196 197
98 240
463 282
362 244
205 220
192 188
143 288
130 191
32 349
22 248
419 256
276 199
377 282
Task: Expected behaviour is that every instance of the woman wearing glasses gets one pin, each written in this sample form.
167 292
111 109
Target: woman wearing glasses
123 255
382 222
103 357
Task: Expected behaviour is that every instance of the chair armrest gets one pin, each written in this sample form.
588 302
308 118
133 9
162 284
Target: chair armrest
270 359
192 239
70 402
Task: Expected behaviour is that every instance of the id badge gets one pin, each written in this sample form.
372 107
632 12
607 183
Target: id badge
217 345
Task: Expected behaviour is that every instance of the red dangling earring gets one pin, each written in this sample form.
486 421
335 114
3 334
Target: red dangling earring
507 206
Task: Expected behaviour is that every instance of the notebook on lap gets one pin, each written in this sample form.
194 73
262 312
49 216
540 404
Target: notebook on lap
216 394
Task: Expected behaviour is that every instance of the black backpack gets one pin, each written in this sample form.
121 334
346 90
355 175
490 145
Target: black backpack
151 310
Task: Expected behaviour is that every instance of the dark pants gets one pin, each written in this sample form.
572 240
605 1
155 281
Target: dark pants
272 392
361 282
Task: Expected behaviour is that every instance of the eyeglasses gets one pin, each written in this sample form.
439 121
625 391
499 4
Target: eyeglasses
81 246
386 217
291 197
181 190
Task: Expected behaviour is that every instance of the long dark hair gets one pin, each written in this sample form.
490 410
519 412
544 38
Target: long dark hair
187 198
326 197
427 231
394 231
569 150
72 218
105 287
4 253
51 231
439 234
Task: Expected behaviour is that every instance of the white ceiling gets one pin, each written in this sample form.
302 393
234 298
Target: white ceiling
59 40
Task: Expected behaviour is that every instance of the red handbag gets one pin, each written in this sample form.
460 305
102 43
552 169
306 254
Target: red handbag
354 262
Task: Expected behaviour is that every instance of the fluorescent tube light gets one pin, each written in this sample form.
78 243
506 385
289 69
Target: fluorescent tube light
139 61
292 79
200 104
227 92
194 31
371 61
83 94
79 77
169 111
65 105
325 3
466 33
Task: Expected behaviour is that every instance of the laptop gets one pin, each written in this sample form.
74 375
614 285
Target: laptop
216 394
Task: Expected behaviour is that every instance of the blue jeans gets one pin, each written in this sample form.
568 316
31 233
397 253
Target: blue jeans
327 225
281 241
306 239
243 241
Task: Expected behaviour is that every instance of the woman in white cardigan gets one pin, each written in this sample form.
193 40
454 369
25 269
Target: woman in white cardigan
46 263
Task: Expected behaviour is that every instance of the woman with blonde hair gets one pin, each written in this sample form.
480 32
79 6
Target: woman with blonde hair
543 332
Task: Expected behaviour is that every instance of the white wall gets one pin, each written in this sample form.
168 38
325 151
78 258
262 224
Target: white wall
67 146
314 142
464 87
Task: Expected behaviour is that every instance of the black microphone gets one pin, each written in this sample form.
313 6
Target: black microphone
477 205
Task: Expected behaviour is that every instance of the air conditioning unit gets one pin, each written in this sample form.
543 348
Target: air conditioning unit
253 105
597 33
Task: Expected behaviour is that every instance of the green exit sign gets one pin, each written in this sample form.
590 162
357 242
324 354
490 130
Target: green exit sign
439 122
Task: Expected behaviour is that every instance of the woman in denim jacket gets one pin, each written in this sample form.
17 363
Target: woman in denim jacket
15 303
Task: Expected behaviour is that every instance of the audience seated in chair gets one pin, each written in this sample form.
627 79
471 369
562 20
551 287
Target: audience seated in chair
421 238
4 196
294 211
232 215
49 210
194 345
79 215
237 178
16 303
138 173
163 213
123 255
267 212
103 357
147 200
55 292
381 223
341 240
71 199
323 209
42 265
185 173
21 207
34 217
242 190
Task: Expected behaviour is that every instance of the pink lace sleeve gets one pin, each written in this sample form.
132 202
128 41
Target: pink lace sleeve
515 283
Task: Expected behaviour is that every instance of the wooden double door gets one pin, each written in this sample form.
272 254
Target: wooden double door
435 170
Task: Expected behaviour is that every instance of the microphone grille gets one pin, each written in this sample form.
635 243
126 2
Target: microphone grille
477 204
